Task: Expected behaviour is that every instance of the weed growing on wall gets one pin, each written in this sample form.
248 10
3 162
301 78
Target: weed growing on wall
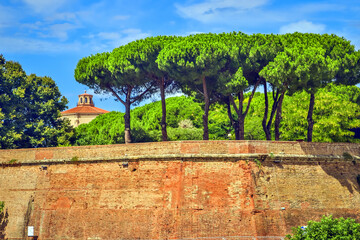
74 159
12 161
258 163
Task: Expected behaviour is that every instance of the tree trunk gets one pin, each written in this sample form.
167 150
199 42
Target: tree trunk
264 121
278 116
241 116
273 111
206 110
310 117
241 127
127 117
163 106
241 113
127 104
234 123
267 123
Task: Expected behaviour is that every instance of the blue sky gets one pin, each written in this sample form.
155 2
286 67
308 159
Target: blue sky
49 37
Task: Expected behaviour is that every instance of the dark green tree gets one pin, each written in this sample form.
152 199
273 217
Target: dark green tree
145 53
295 68
339 63
132 82
264 49
114 73
195 62
231 82
30 110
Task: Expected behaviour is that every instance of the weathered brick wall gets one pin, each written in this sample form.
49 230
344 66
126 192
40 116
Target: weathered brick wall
177 190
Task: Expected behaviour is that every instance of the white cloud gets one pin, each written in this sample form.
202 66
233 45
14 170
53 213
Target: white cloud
131 35
26 45
32 26
7 17
121 17
45 6
64 16
304 27
60 31
131 31
109 35
214 10
319 7
100 42
107 41
191 33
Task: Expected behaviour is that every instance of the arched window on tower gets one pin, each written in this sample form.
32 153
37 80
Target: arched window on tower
86 100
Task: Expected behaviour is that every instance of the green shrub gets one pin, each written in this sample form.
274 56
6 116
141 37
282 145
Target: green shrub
328 228
176 134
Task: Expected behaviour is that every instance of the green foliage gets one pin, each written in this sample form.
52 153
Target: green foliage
104 129
30 110
219 123
109 128
328 228
185 131
253 129
177 134
258 163
178 108
195 62
222 68
335 113
12 161
74 159
2 206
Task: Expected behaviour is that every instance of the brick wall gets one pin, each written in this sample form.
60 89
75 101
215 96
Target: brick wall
177 190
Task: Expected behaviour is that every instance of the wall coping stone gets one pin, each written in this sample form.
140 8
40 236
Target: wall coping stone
226 150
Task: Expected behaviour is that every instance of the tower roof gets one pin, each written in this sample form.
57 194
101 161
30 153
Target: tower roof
85 106
85 110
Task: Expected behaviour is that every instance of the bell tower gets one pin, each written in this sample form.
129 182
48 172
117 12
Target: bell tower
85 99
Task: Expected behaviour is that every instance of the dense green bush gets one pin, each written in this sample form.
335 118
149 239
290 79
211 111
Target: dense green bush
145 125
177 134
327 228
